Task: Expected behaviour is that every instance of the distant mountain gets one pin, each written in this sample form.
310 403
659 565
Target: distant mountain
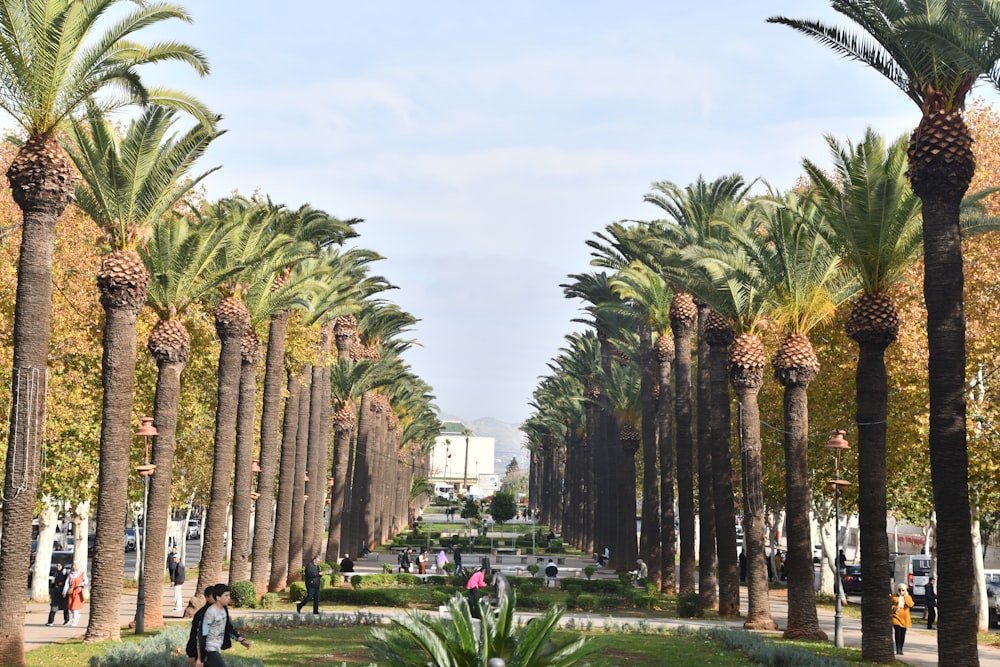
510 440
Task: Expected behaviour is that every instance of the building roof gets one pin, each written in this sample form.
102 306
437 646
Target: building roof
453 428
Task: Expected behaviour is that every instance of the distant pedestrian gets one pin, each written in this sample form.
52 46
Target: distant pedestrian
57 599
605 557
442 558
422 561
930 603
743 565
901 603
76 582
312 586
456 555
177 581
404 560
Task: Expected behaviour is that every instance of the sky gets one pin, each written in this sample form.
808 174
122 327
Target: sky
484 142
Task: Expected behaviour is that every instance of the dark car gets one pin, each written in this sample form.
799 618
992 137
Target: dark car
64 557
852 580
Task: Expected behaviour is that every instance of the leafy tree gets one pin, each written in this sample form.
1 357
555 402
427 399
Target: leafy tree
470 510
503 506
513 466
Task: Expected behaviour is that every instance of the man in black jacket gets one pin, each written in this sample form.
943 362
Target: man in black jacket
312 586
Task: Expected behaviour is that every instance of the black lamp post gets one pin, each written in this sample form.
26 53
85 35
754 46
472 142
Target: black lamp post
837 443
145 470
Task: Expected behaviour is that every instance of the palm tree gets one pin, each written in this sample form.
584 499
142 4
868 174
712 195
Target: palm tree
280 553
700 212
130 184
742 299
934 51
179 259
40 91
252 243
808 288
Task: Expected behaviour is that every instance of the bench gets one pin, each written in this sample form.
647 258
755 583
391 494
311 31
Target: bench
512 551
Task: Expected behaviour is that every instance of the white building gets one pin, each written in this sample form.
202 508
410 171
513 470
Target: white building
460 458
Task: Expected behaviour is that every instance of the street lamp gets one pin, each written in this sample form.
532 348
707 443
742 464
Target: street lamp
145 470
837 443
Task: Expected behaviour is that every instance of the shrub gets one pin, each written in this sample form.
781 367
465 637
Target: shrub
387 568
573 589
440 597
626 579
159 651
527 586
436 580
587 602
598 586
533 569
244 594
449 567
406 579
530 600
296 591
268 600
689 605
589 571
356 581
555 546
646 601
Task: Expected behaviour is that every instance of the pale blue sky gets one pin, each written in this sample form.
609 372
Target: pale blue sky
484 142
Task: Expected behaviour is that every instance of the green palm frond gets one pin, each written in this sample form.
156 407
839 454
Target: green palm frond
129 183
54 58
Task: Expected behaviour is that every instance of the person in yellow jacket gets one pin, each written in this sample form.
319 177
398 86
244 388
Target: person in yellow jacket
901 603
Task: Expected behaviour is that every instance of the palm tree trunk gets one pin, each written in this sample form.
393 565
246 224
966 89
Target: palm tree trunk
943 294
344 429
239 558
665 440
626 545
278 578
229 327
707 581
803 622
361 475
270 411
685 456
649 538
722 479
872 400
296 538
166 403
118 380
758 606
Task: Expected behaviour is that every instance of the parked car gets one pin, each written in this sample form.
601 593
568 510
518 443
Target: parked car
130 539
852 580
914 571
194 529
91 539
817 553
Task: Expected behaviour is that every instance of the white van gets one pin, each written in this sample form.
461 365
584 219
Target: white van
914 571
446 491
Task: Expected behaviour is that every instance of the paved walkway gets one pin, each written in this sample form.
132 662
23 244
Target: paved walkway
921 644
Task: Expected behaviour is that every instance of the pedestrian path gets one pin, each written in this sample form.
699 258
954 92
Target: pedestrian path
921 644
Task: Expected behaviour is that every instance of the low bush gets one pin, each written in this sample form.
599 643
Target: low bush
760 650
689 605
587 602
599 586
404 579
555 546
244 594
589 571
296 591
268 600
160 650
440 597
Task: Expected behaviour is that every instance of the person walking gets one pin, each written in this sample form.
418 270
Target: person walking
171 562
442 558
422 561
456 555
194 637
901 603
57 599
312 586
76 581
177 575
404 560
930 603
213 630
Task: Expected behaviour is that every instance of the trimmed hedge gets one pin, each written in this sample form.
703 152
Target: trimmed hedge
244 594
599 586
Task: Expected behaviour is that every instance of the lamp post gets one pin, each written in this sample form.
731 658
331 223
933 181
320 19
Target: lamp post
837 443
145 470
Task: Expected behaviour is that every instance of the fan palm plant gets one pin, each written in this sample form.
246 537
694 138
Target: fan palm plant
129 185
418 640
53 58
934 51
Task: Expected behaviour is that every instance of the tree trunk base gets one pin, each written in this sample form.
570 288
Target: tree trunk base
760 624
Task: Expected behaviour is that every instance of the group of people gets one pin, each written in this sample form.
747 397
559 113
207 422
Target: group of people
211 630
66 593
